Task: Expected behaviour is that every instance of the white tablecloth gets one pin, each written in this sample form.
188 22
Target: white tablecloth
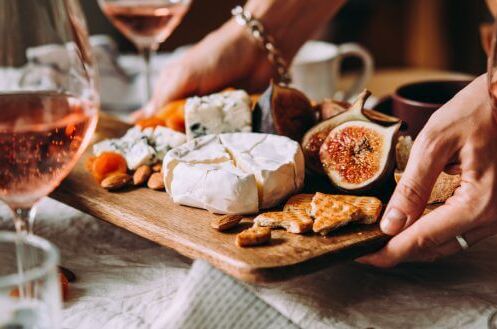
125 281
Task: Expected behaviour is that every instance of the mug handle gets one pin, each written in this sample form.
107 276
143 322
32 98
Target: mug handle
353 49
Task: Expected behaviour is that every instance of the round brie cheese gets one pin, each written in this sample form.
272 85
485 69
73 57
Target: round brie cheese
236 173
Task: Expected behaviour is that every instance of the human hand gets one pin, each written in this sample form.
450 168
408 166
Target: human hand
461 135
231 57
226 57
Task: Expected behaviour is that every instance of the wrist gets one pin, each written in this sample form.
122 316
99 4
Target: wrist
292 22
241 38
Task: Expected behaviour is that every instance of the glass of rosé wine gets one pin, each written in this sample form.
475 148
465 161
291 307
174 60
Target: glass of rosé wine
48 99
147 24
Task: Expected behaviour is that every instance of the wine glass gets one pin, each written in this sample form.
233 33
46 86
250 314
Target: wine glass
31 298
48 99
146 23
492 67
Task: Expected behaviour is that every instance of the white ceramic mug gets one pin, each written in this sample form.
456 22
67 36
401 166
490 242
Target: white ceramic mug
316 69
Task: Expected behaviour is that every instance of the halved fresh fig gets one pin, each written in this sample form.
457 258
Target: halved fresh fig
284 111
357 155
314 138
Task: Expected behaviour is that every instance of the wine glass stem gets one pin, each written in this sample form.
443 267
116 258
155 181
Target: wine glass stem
147 53
24 219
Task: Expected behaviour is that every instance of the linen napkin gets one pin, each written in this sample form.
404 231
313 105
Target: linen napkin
210 299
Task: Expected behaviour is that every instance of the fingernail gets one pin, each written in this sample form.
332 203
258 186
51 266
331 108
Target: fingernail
393 222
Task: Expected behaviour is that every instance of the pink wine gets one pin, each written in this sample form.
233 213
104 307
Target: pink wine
42 135
145 23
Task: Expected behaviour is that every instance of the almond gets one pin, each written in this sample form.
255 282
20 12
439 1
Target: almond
157 167
141 175
116 181
223 223
156 182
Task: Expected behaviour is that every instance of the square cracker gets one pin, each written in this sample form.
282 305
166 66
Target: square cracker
294 221
370 206
299 202
295 217
331 213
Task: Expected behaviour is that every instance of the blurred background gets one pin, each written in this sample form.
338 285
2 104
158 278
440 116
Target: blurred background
437 34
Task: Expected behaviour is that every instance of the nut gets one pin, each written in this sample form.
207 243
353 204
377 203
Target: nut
223 223
157 167
155 182
116 181
141 175
253 236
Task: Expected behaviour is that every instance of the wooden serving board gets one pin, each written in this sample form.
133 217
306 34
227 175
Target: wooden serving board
153 215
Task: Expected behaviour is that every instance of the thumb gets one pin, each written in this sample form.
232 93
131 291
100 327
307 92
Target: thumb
426 162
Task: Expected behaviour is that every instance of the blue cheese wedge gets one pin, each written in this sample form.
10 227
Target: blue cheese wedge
225 112
142 147
165 139
237 173
108 145
140 153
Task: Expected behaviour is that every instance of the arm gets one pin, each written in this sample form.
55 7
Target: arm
230 56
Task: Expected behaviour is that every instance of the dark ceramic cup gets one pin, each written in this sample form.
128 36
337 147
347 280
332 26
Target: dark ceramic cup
414 103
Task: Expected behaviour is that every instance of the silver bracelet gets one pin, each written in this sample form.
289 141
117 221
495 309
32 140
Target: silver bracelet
245 18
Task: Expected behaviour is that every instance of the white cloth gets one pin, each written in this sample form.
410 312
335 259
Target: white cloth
125 281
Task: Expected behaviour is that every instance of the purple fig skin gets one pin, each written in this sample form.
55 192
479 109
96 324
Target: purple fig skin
284 111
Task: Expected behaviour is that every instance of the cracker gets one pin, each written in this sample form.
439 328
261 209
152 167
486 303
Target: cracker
299 202
330 213
294 221
370 207
253 236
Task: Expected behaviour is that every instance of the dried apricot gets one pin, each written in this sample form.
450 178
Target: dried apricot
254 98
108 163
172 108
176 122
151 122
89 163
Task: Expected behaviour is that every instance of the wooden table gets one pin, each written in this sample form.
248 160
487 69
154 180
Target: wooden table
385 81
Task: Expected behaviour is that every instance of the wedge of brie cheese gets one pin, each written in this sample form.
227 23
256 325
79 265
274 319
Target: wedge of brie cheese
237 173
224 112
273 161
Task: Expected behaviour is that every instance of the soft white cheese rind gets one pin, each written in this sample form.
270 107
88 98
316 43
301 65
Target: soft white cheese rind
234 173
219 188
206 149
276 161
225 112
